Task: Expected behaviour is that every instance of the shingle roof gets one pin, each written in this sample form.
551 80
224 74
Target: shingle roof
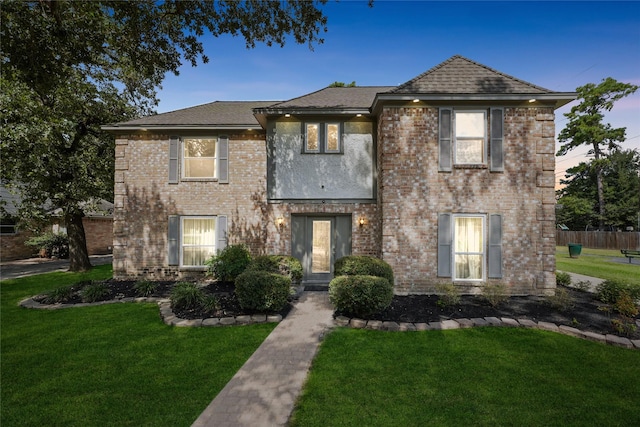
459 75
219 113
360 97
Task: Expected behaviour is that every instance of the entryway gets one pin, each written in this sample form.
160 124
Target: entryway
318 241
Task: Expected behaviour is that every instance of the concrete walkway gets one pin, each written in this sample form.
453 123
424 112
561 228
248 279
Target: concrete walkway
264 391
593 281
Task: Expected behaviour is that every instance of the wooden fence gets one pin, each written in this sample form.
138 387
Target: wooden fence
600 239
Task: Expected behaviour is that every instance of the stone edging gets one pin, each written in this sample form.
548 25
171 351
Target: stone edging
167 315
609 339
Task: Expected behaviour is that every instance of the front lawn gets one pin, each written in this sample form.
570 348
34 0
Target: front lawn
598 263
480 377
110 365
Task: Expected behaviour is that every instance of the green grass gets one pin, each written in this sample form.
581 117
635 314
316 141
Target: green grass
112 365
597 263
479 377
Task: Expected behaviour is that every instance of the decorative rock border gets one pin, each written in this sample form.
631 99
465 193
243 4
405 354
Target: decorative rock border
463 323
166 313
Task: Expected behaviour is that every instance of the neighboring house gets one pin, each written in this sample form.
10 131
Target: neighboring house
448 177
98 228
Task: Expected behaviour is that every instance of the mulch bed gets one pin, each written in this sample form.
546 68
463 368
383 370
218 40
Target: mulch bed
584 313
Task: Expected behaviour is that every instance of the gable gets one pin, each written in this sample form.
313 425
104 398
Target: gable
459 75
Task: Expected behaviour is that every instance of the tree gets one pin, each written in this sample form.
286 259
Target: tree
342 84
70 66
586 127
578 199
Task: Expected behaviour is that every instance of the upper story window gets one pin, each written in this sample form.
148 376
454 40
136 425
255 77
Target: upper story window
193 159
199 158
322 138
470 137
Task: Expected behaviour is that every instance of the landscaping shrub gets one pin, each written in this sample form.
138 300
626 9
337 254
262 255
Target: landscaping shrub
51 244
281 264
448 295
95 291
495 294
262 291
186 296
145 288
229 263
563 279
359 265
561 300
609 291
360 295
626 306
58 295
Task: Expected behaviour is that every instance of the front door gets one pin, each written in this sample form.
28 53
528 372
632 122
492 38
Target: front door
318 241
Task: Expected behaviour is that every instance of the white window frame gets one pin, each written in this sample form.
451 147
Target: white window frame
182 244
456 138
483 252
183 158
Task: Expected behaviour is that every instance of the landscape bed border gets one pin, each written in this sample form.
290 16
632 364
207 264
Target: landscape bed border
169 318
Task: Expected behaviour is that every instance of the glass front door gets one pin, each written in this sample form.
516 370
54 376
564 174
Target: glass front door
321 246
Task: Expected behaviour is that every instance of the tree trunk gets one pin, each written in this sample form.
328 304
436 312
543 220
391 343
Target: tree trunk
601 210
78 253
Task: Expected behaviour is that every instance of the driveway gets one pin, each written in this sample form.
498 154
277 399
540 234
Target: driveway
31 266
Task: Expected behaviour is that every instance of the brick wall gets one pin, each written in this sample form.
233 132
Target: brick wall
413 192
99 234
144 200
12 246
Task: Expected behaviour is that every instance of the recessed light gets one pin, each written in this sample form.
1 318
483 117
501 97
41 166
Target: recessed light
416 100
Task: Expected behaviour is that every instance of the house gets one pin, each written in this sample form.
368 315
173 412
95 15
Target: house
97 222
448 177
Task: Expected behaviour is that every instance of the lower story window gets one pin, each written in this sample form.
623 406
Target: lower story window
468 247
198 240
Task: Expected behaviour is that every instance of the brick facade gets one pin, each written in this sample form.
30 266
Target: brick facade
144 200
413 193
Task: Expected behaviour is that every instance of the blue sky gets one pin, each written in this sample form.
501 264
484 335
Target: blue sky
557 45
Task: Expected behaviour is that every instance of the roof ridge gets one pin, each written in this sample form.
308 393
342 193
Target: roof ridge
505 74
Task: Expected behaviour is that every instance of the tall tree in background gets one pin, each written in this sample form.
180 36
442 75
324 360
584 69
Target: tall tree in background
70 66
586 127
578 198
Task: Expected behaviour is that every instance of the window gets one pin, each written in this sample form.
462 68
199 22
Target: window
7 226
322 138
468 247
198 239
470 137
199 158
313 137
464 139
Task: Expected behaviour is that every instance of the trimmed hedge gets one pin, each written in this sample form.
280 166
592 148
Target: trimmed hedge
229 263
262 291
280 264
361 265
360 295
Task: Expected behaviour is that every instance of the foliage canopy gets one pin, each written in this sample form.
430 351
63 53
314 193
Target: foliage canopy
70 66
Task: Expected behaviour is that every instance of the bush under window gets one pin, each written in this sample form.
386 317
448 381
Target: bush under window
229 263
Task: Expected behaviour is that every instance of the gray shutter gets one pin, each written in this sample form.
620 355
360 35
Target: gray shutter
298 225
174 158
173 240
497 132
343 236
445 135
221 232
445 241
223 160
495 246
